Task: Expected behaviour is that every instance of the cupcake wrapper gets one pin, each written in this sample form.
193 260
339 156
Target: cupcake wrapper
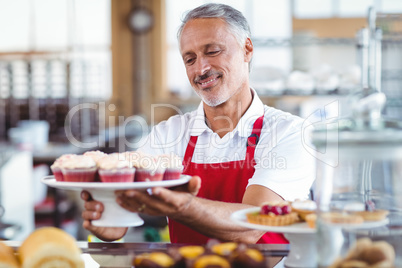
171 175
58 174
145 175
123 175
79 175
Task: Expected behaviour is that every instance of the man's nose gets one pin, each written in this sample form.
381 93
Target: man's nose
202 65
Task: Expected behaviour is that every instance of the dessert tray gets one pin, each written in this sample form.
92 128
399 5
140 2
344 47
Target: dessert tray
303 251
113 215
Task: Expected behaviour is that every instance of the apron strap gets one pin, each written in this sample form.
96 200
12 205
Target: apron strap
253 139
189 152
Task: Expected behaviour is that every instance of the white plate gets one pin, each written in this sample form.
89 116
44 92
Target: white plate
78 186
240 218
301 227
113 214
303 251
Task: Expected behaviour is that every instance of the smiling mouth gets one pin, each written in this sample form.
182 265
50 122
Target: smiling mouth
204 83
209 83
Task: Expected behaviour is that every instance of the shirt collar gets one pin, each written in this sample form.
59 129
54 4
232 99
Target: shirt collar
199 126
245 125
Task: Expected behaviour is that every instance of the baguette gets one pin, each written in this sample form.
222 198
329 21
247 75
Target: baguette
50 247
7 257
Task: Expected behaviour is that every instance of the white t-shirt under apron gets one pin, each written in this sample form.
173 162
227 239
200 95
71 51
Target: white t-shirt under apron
283 163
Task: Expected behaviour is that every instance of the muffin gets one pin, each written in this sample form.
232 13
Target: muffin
154 259
184 256
274 214
115 168
243 256
211 261
173 165
223 249
147 169
56 166
80 168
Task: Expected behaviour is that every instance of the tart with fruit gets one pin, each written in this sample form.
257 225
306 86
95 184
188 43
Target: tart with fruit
370 212
274 214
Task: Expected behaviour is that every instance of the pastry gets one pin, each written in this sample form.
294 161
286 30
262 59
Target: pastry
146 167
154 260
303 208
7 257
311 220
211 261
375 215
341 218
224 249
366 253
50 247
80 168
95 155
173 165
243 256
56 166
275 214
115 168
184 256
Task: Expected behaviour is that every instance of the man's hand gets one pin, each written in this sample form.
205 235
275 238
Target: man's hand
160 201
93 211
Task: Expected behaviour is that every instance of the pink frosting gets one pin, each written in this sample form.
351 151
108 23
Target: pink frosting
79 161
114 161
61 160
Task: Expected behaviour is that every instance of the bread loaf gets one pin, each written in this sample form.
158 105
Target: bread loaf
50 247
7 257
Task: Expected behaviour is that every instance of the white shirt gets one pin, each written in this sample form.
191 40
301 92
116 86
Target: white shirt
282 161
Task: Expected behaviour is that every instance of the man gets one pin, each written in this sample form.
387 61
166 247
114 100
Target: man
240 152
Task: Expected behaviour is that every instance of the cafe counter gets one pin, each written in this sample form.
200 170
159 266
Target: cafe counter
121 255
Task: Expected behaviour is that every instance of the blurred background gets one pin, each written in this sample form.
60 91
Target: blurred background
97 74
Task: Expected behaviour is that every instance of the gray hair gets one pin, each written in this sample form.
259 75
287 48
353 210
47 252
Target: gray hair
237 23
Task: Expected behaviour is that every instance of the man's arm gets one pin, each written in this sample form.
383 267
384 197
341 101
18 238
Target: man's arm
211 218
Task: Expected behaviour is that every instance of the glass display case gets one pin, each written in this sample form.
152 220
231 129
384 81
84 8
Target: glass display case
359 188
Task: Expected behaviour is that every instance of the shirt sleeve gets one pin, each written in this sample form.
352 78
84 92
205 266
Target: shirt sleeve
283 162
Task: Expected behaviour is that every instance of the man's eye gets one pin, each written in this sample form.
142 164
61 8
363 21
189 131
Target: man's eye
213 52
189 61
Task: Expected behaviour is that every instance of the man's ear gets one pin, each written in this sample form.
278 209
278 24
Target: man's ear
249 48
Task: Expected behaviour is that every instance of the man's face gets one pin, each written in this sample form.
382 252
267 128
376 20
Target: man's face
216 64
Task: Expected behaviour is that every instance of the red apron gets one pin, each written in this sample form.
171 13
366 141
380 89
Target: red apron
225 182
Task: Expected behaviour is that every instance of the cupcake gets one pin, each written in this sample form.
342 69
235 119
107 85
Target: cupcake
115 168
80 168
56 167
173 165
147 169
95 155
